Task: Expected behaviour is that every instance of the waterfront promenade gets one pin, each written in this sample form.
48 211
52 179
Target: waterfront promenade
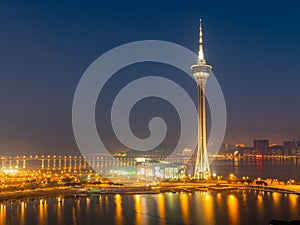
173 187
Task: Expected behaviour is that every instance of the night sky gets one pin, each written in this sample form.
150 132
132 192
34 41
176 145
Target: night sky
46 47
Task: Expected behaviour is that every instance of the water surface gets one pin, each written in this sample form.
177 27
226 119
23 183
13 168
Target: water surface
235 208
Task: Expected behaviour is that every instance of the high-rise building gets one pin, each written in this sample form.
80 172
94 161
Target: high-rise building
289 147
201 71
261 146
276 150
289 144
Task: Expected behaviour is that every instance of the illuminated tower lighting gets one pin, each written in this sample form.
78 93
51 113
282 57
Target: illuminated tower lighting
201 71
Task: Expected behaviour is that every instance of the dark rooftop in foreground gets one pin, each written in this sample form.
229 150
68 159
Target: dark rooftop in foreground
284 222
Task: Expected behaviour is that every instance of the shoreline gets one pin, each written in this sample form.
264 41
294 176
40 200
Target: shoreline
132 190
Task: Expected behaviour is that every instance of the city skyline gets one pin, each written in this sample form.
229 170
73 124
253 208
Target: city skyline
40 71
135 112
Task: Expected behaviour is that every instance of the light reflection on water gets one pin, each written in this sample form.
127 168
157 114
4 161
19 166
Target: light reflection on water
233 209
22 216
2 214
185 210
161 208
276 200
138 209
119 215
244 207
43 212
293 203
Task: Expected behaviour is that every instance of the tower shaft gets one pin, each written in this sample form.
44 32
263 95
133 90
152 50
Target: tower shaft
201 71
202 169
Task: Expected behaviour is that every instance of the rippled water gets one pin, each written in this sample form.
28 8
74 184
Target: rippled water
244 207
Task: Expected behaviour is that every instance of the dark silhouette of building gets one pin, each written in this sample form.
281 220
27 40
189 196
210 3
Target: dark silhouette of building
289 147
289 144
261 146
284 222
277 150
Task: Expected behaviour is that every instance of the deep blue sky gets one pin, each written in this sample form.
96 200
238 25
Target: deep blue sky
45 48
